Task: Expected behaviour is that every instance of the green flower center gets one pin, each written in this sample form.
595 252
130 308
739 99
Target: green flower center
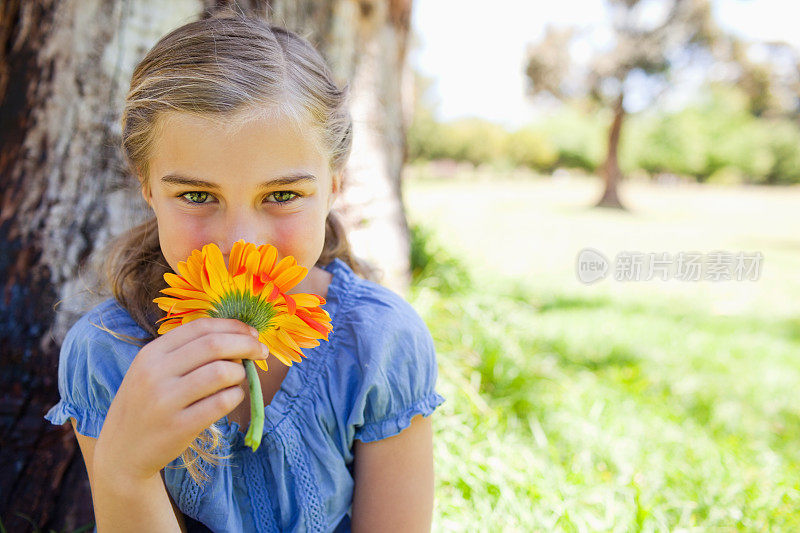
246 307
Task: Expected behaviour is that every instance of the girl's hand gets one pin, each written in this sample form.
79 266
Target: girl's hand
176 386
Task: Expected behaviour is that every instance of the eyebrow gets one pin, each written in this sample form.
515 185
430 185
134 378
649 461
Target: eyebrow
291 179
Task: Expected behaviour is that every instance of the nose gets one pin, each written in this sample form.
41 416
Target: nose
240 224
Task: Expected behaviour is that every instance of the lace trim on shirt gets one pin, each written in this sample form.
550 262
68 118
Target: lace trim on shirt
190 491
310 500
260 504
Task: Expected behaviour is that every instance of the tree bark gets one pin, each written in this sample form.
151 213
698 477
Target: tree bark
64 71
611 171
372 200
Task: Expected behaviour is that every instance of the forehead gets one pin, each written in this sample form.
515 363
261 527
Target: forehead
248 143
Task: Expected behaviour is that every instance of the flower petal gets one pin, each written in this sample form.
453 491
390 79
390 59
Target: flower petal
286 339
235 257
204 305
258 285
274 293
291 277
186 293
251 262
178 282
194 269
279 350
214 268
290 304
268 255
240 284
168 326
319 326
283 264
306 300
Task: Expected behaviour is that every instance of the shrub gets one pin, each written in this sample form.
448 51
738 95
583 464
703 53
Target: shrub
528 147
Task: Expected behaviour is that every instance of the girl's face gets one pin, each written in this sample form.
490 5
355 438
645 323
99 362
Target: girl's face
263 180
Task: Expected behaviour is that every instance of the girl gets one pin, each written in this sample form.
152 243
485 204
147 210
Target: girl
236 130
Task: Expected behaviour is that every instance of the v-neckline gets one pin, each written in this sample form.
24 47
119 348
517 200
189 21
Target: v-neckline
235 432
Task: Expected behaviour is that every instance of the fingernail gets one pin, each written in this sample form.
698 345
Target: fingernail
264 350
254 332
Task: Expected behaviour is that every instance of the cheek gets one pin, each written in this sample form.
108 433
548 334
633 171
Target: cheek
179 236
303 238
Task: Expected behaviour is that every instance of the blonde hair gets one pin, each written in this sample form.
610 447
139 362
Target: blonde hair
220 67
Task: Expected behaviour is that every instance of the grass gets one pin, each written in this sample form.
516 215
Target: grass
648 406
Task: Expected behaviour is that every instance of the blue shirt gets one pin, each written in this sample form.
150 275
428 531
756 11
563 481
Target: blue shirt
376 371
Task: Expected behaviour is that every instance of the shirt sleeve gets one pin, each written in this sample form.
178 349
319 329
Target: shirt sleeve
91 366
399 372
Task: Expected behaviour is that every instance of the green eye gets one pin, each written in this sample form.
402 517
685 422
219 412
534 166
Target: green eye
283 197
196 197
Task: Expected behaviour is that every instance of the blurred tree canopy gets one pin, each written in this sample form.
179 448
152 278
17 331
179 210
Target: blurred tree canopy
739 124
644 49
768 73
714 139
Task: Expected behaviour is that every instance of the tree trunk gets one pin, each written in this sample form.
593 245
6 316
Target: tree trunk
611 171
64 71
373 201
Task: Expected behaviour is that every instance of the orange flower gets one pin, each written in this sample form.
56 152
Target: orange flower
252 288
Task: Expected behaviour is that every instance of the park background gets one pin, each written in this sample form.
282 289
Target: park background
620 405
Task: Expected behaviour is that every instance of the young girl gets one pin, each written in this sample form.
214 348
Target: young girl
236 130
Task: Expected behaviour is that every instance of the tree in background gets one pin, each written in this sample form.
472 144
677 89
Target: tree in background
64 71
649 42
768 73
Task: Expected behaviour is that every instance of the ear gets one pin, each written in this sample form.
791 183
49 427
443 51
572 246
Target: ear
146 194
336 187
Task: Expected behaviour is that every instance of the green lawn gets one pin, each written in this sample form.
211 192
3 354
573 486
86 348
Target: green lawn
617 406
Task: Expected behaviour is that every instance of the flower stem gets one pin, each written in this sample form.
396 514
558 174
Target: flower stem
256 429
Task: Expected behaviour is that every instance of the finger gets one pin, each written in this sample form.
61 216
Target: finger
211 347
208 410
203 326
207 381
